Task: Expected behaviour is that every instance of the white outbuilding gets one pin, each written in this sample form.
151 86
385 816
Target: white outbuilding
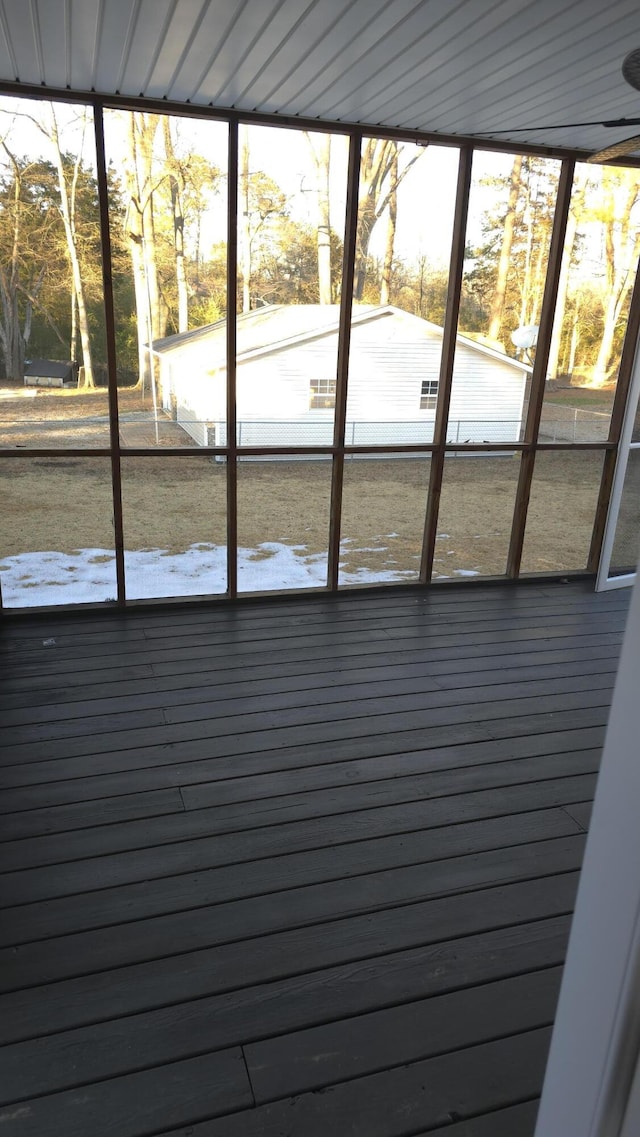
286 380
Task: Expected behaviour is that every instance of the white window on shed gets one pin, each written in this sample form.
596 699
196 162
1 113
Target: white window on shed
428 394
322 394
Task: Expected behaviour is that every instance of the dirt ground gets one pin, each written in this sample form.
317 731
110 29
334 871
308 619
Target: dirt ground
171 503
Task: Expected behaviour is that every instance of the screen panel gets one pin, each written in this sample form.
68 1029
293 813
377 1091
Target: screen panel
283 523
174 520
383 514
56 531
562 506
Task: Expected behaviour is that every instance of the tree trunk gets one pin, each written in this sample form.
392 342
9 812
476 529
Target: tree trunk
13 346
377 185
243 204
73 339
575 340
140 233
66 210
176 187
321 154
576 211
497 303
392 218
621 262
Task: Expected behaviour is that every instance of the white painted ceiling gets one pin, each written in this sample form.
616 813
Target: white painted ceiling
461 67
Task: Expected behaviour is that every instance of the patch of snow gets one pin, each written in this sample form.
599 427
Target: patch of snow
371 549
89 575
465 572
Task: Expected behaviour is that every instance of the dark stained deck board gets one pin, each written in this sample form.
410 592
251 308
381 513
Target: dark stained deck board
398 1101
138 1103
256 851
336 642
286 729
246 666
142 767
238 845
514 1121
83 815
186 892
293 708
309 1059
581 811
291 613
171 826
330 686
48 706
401 754
140 941
185 1027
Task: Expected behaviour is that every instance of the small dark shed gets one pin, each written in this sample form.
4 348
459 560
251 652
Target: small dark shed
50 373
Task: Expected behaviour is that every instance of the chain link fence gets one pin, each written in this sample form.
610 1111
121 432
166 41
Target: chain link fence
571 424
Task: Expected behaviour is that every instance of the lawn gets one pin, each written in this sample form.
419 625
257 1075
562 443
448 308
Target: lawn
175 514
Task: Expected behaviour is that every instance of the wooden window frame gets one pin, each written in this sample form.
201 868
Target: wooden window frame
437 450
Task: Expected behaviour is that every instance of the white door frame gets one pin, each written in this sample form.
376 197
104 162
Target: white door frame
592 1084
603 580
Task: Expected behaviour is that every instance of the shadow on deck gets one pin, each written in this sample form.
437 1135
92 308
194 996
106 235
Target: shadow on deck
303 867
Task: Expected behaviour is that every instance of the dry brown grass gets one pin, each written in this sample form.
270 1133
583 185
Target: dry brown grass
171 503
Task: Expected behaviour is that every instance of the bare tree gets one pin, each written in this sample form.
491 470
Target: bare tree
320 147
140 232
378 183
504 260
575 215
243 206
176 189
12 335
67 188
392 219
622 246
68 197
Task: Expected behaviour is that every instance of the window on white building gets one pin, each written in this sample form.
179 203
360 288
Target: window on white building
428 394
322 394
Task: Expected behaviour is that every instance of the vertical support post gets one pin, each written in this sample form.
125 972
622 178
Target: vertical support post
344 340
232 286
623 387
449 335
539 374
110 326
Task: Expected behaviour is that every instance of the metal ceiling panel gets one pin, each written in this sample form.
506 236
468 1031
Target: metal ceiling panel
218 21
255 26
345 50
148 35
265 49
118 24
318 23
183 28
17 19
457 67
475 48
435 22
543 57
86 21
541 83
53 26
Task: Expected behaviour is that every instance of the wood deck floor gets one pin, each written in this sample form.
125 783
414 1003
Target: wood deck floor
297 868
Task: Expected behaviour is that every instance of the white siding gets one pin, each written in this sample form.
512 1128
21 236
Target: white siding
486 398
390 357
